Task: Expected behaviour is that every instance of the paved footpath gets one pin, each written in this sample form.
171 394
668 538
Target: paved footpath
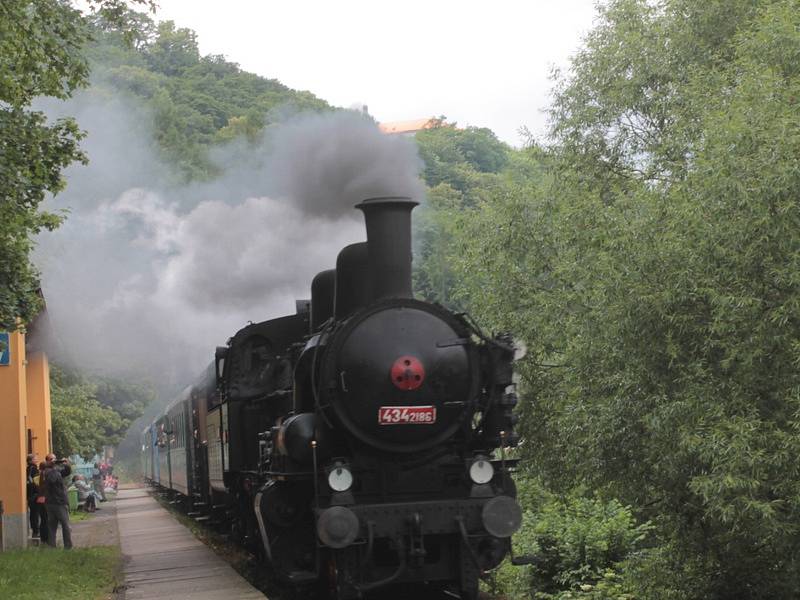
162 559
100 529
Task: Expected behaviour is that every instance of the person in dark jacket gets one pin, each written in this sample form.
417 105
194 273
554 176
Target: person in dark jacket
44 530
56 502
32 491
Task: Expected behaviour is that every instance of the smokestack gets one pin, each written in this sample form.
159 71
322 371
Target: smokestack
388 222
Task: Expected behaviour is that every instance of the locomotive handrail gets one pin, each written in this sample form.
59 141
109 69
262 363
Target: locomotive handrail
316 473
315 381
261 528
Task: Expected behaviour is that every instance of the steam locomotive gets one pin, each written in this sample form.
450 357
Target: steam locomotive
358 443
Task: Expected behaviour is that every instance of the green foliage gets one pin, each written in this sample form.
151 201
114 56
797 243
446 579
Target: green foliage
579 545
462 168
37 57
459 157
80 424
433 277
40 55
88 415
649 261
173 51
127 398
671 572
623 112
578 541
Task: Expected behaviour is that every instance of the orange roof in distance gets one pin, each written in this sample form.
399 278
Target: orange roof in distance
407 126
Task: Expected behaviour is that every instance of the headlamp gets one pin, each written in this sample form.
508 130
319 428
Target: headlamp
481 471
340 478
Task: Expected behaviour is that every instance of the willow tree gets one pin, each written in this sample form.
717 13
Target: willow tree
654 273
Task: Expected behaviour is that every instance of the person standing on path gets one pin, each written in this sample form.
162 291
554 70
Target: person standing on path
32 491
98 483
56 502
44 530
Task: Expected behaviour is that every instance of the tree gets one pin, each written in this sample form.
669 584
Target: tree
127 398
37 57
652 272
40 55
81 425
89 413
173 50
462 166
459 157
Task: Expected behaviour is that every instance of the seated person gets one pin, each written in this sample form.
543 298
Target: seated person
86 494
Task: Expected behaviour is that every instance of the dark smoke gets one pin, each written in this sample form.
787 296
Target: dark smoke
148 277
352 160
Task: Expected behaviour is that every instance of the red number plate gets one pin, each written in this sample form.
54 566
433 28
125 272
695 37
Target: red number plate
407 415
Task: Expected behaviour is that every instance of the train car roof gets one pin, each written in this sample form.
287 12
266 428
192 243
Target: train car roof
206 381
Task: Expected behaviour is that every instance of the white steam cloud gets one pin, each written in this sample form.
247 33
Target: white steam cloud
148 277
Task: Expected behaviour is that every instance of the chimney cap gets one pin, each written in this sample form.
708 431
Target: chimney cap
384 200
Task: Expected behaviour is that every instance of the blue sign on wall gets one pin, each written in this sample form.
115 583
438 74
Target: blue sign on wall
5 350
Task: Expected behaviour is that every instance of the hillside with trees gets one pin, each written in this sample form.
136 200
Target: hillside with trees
193 102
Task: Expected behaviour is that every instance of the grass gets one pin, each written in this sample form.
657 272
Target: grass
76 516
43 573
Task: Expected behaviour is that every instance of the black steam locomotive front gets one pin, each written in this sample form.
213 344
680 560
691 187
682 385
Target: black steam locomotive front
384 470
406 376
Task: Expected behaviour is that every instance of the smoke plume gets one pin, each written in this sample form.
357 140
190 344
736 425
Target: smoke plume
148 277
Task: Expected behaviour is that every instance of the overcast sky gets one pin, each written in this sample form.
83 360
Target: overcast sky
479 63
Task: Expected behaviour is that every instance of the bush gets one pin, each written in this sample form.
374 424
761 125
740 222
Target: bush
578 545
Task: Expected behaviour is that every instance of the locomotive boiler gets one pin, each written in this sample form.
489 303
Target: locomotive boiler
360 442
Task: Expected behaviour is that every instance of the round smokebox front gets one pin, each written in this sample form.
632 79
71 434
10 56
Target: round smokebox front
403 376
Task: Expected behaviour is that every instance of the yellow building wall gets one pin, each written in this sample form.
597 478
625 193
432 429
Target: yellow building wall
38 392
13 444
